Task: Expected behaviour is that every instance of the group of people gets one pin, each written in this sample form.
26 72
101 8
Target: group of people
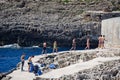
55 49
44 50
74 43
31 67
23 61
101 40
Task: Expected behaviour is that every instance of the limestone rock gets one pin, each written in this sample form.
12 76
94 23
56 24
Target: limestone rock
33 21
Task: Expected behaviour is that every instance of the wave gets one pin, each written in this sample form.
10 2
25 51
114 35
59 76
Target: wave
10 46
35 46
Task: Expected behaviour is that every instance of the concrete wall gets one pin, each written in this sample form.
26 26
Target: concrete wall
111 30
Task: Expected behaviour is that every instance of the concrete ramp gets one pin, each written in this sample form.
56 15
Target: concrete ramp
111 30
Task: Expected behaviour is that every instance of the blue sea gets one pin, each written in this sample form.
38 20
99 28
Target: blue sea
10 57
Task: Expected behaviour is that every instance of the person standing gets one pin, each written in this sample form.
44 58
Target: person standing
30 62
100 40
55 46
87 43
103 40
44 48
22 61
73 44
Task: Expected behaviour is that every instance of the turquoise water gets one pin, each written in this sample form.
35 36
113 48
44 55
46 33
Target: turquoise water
10 57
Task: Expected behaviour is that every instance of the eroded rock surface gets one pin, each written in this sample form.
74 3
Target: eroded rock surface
30 22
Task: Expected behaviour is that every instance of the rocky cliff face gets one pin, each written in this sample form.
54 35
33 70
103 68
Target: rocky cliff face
30 22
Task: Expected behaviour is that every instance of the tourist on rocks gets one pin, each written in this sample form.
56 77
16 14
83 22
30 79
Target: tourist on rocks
88 43
100 41
73 44
30 63
44 51
55 46
103 40
22 61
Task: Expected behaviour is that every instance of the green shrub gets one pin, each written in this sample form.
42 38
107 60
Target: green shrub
66 1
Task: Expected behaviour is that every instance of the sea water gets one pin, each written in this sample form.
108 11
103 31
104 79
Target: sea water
10 57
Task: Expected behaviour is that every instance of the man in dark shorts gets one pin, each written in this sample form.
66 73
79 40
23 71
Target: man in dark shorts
22 61
44 48
30 62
